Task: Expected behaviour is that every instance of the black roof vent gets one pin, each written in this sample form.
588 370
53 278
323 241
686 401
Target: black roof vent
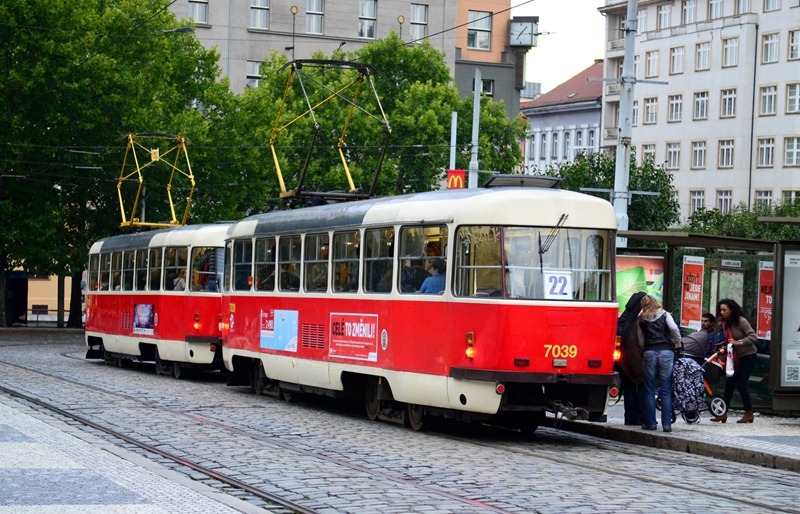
522 181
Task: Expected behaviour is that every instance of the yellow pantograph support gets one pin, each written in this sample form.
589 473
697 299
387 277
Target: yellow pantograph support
154 156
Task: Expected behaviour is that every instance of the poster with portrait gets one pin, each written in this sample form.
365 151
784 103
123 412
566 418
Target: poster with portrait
143 318
692 291
764 313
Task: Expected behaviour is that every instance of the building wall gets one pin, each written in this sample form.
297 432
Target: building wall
718 183
576 129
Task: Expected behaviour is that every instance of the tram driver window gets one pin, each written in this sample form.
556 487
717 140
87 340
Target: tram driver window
346 255
419 247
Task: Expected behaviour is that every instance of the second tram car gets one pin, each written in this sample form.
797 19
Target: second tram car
155 296
493 304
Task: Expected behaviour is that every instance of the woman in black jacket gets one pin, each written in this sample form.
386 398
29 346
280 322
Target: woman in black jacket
630 363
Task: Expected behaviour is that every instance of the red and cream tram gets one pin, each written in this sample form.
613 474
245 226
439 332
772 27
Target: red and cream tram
494 303
155 296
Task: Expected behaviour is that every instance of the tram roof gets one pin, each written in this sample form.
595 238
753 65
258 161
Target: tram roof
203 234
497 205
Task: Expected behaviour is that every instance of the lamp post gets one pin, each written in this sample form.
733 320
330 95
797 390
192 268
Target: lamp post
294 15
401 19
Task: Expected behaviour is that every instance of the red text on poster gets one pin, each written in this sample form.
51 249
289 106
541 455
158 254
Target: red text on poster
354 336
692 292
764 317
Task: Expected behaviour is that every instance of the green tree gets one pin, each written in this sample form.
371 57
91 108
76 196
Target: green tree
743 222
645 212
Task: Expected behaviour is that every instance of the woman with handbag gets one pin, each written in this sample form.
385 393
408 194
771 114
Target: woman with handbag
741 335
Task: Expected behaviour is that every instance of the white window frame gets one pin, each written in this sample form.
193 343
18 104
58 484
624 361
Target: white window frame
419 21
763 198
368 19
479 31
567 144
675 105
730 52
198 11
649 152
697 201
766 152
772 5
676 58
702 56
791 151
650 111
673 155
259 14
652 64
727 148
790 195
635 113
743 7
727 100
699 152
769 48
714 9
664 14
641 21
543 146
700 106
554 146
689 12
315 17
794 45
725 201
793 98
253 74
768 103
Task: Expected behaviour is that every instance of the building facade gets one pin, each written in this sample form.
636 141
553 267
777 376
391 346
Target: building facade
565 121
727 123
467 31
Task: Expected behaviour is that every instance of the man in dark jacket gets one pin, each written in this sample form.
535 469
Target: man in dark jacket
630 364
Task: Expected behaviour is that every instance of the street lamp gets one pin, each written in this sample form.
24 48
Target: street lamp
294 14
401 19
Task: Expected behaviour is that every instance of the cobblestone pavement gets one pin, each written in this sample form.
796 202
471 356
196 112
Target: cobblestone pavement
333 460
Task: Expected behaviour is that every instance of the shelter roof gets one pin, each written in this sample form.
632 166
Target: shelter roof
690 240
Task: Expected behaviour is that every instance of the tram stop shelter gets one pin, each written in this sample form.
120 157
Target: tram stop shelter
697 270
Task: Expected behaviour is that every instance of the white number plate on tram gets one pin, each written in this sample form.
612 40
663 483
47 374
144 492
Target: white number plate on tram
557 285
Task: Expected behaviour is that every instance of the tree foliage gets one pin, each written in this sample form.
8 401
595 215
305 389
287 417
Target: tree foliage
743 222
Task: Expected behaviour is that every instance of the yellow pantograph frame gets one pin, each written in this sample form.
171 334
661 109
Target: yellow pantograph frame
154 156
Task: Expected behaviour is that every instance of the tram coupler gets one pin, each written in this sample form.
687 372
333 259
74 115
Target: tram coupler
569 412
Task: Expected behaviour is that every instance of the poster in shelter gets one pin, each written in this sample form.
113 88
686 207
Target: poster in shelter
764 315
692 292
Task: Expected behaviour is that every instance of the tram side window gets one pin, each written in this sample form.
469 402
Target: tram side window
378 260
94 268
346 247
105 271
155 268
204 269
419 248
289 263
478 266
226 282
265 264
315 262
596 281
175 261
242 265
140 270
116 272
127 270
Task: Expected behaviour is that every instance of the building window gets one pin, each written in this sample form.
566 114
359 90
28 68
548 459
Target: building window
532 147
650 111
664 12
579 141
676 60
479 31
554 147
724 201
769 100
714 9
790 195
419 21
315 15
772 5
792 98
769 48
635 113
675 108
794 45
590 142
198 11
648 153
701 56
367 18
742 6
764 199
567 145
766 152
698 155
728 107
253 74
635 66
726 153
543 146
259 14
689 11
792 151
697 201
651 68
700 106
730 52
487 87
673 156
641 21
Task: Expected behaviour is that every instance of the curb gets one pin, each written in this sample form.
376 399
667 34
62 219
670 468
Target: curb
661 440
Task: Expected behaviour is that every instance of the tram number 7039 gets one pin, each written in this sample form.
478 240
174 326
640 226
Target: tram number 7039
560 351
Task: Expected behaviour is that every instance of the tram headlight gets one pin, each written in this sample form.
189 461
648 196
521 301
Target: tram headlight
470 340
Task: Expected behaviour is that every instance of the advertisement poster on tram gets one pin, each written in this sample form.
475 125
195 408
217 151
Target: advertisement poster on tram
639 273
354 336
692 292
143 318
790 360
279 330
764 316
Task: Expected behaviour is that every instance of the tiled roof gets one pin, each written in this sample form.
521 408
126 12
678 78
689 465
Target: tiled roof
576 89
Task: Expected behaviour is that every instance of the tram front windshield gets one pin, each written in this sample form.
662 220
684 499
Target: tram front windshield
533 263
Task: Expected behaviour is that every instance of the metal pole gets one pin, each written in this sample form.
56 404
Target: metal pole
476 120
621 194
453 129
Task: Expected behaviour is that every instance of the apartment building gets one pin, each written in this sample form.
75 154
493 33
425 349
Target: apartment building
564 121
467 31
727 123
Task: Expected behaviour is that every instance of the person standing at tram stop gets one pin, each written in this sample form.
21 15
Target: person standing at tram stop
435 283
738 332
661 335
629 366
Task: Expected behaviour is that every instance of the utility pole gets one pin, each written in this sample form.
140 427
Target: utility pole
476 123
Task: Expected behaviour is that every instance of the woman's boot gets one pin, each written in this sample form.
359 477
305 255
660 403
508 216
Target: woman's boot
747 418
721 419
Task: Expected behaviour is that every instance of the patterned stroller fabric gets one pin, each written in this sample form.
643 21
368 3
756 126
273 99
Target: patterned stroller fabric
688 391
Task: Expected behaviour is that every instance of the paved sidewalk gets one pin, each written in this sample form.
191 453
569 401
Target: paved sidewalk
48 466
770 441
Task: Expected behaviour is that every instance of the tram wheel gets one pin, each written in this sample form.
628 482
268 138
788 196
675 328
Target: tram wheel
716 405
178 371
162 367
259 378
108 359
529 424
416 418
285 395
372 404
